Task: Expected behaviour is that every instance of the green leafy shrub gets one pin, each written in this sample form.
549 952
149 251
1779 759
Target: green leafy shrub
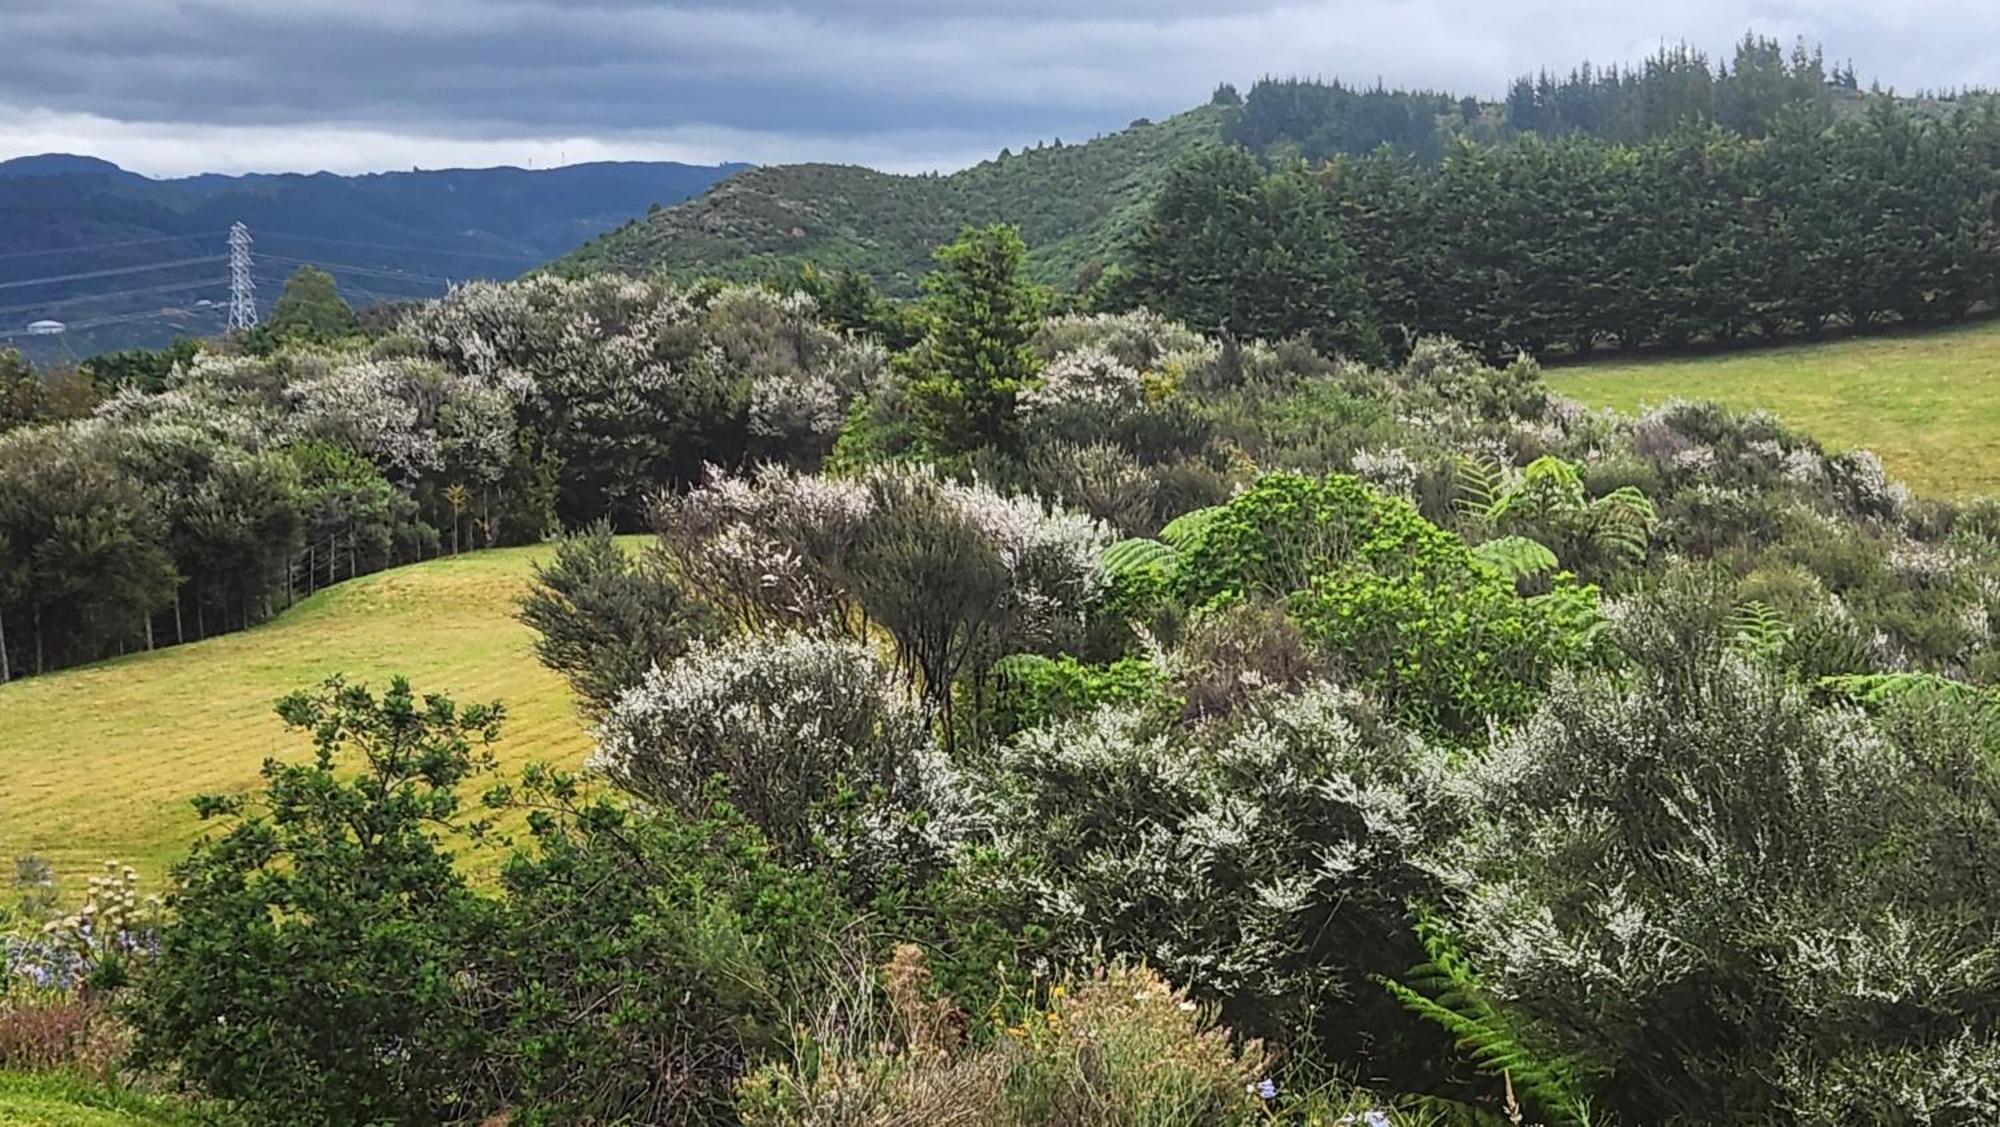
1413 613
647 962
1031 690
311 966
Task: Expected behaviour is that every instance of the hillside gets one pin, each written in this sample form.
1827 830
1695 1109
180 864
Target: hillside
1073 203
127 260
100 761
1928 403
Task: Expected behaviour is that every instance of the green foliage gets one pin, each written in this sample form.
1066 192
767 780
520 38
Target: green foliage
1517 557
648 961
1031 690
309 310
1547 504
604 616
1411 611
313 962
1074 204
1229 249
1445 989
148 369
975 358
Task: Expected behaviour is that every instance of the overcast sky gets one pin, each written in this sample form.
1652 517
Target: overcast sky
170 87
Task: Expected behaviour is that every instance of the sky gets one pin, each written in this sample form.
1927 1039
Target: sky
174 87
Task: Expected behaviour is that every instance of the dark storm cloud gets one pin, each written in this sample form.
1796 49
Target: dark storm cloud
901 82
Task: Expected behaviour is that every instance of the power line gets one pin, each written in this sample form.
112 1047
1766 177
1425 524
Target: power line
116 270
84 298
109 246
340 267
401 246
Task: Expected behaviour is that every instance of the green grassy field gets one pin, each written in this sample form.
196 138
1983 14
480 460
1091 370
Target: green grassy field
99 762
1928 403
51 1100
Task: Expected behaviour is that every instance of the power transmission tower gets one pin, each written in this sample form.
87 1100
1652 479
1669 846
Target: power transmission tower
242 287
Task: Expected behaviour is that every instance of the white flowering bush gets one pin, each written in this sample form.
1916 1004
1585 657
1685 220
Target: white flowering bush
792 727
957 574
1719 890
1140 340
1086 378
1268 862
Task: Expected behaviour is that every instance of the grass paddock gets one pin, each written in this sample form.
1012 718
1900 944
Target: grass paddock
99 762
1927 401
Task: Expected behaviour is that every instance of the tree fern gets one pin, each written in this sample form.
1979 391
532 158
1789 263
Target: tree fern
1621 523
1445 990
1129 556
1517 557
1478 484
1181 530
1757 631
1878 691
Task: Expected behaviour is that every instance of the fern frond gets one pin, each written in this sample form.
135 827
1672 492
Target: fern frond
1183 529
1129 556
1622 523
1446 991
1477 486
1757 631
1517 557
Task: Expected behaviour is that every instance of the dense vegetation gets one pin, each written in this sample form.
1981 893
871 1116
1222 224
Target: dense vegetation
1563 245
263 471
1079 205
1079 718
1072 202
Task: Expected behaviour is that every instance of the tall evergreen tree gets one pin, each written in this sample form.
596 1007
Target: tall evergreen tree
974 358
1227 248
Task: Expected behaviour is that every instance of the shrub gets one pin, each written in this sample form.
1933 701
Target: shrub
646 962
789 725
604 617
1118 1047
1716 890
310 967
1408 608
1031 690
1267 862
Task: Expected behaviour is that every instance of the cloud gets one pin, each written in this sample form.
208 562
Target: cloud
346 84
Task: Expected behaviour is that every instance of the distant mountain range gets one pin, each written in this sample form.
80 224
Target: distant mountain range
122 259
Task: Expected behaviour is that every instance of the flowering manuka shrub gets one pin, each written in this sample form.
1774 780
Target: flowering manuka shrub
1139 340
958 574
632 385
1085 378
800 732
1267 862
1740 904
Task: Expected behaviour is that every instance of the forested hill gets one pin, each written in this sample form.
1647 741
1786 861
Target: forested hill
1076 203
1073 203
151 247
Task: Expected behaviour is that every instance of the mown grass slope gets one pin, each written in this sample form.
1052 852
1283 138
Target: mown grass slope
1927 402
53 1100
99 762
1074 204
